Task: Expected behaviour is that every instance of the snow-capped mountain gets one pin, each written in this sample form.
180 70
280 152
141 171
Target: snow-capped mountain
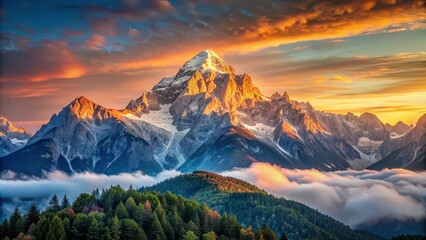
11 138
206 117
408 151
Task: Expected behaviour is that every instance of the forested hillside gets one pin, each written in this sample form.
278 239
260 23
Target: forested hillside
254 207
119 214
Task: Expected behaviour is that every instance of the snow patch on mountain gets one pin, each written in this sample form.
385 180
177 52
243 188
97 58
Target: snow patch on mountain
367 142
265 133
172 149
19 142
161 118
395 135
206 60
260 130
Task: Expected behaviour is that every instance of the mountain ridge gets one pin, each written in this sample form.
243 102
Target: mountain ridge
207 117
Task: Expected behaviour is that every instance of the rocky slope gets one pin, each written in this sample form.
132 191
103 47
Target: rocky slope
11 138
206 117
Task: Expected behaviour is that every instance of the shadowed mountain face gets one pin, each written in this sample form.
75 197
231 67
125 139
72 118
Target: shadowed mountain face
410 150
254 207
208 117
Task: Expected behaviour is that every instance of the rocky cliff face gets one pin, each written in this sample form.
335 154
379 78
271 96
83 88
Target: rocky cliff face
206 117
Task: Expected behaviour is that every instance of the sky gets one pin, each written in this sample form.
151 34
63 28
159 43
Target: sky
357 56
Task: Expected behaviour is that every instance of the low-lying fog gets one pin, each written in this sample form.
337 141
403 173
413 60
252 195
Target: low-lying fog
356 198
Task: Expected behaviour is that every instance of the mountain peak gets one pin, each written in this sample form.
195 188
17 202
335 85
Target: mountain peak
7 127
83 108
370 117
206 60
81 100
81 103
275 95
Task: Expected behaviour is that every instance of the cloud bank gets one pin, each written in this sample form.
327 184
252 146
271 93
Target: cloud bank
356 198
59 183
24 193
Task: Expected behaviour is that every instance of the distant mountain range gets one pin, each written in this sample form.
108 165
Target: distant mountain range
208 117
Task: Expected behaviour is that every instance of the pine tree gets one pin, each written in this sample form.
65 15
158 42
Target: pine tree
93 232
67 226
157 231
121 211
54 203
65 202
42 228
105 233
130 230
130 206
56 230
115 228
168 230
138 214
95 193
231 226
15 223
32 216
177 223
191 226
4 228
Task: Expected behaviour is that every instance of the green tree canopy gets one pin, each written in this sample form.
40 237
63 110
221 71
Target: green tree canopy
121 211
56 230
189 235
209 236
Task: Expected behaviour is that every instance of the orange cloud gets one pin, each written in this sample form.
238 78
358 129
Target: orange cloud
96 42
340 78
31 92
270 25
71 71
41 63
335 78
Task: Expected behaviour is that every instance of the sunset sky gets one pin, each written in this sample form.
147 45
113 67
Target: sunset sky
357 56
